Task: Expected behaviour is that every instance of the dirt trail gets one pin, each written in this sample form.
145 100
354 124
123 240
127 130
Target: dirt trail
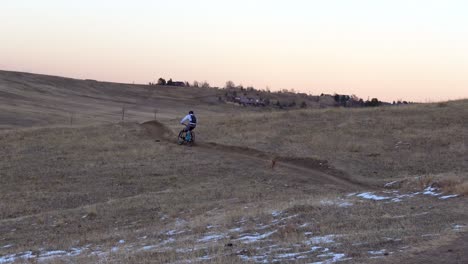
319 169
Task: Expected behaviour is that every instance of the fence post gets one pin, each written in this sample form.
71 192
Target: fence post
123 113
71 118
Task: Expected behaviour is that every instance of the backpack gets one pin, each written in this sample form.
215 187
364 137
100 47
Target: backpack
194 119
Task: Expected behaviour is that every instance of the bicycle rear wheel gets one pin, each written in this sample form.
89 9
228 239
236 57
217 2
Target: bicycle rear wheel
192 138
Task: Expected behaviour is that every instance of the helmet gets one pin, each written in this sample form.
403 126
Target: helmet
190 112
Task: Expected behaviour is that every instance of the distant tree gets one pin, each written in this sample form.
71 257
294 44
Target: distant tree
205 84
170 82
196 84
161 81
373 103
187 84
303 104
230 85
344 99
337 98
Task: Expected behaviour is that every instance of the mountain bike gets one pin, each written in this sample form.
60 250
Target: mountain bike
186 137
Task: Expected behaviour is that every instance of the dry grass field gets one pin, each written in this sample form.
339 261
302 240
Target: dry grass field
382 185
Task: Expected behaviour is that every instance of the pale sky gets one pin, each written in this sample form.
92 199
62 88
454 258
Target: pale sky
413 50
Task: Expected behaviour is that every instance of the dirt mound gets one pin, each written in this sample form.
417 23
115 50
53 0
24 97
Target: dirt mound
318 168
306 165
237 149
158 130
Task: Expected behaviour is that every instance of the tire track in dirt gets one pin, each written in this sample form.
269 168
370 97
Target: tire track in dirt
319 169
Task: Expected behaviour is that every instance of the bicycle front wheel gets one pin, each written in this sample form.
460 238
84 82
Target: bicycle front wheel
181 138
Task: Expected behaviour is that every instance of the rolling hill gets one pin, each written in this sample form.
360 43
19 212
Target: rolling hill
80 185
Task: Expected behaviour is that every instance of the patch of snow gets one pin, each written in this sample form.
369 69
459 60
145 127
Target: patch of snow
243 220
372 196
392 239
458 227
180 222
400 197
97 253
423 213
261 227
290 255
7 246
164 217
340 203
238 229
15 257
307 233
326 202
448 196
165 242
296 255
276 213
52 253
115 249
258 259
213 237
149 247
76 251
205 258
376 252
431 191
345 204
335 258
254 238
121 241
315 248
174 232
328 239
284 218
390 184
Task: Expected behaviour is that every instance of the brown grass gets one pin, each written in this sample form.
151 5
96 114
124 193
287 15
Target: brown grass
89 186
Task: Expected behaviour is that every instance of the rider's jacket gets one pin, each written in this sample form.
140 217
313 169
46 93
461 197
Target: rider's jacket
191 118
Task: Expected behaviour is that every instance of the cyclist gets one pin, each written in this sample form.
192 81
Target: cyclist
192 121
